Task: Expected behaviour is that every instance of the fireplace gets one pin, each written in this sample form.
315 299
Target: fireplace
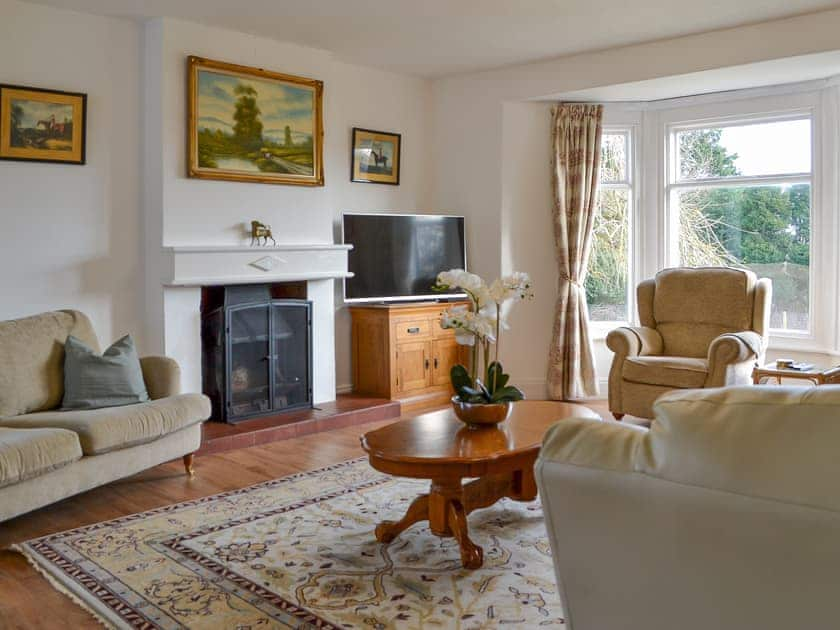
256 343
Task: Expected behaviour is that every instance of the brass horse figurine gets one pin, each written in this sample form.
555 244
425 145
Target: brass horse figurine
261 231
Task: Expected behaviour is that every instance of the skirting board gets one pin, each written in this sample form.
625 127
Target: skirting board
534 389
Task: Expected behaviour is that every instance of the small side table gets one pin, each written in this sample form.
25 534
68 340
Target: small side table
817 375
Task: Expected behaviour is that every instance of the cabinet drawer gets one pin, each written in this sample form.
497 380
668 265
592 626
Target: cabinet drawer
413 329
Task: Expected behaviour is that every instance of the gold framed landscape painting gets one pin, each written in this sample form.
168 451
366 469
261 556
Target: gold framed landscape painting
253 125
40 125
375 157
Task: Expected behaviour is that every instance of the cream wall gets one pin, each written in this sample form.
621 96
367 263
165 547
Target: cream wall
73 236
192 212
497 174
70 236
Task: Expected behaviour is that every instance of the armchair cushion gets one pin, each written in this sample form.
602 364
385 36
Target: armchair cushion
693 306
680 372
114 428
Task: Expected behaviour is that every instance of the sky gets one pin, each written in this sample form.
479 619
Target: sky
280 105
770 148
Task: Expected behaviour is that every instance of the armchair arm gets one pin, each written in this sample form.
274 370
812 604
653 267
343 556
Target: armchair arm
729 357
592 444
635 341
735 347
162 376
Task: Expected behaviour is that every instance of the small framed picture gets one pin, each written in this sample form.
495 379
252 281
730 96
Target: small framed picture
41 125
375 157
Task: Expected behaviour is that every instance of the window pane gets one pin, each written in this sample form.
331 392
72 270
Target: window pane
772 148
614 158
606 279
764 228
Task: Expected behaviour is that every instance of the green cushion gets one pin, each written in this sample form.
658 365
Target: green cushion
93 381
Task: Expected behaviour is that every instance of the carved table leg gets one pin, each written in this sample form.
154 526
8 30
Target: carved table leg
472 556
418 511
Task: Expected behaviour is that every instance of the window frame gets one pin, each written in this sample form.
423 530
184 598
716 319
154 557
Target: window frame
674 184
600 328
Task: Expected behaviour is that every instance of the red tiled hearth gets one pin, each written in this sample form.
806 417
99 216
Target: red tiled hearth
346 410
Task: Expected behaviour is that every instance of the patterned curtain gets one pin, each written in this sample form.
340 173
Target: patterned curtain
576 134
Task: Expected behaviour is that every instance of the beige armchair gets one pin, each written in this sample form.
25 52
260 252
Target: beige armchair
725 515
700 327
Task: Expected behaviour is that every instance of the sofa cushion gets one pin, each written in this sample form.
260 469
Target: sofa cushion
113 428
32 359
110 379
679 372
27 453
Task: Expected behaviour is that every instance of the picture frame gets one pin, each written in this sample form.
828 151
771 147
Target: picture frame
375 157
253 125
42 125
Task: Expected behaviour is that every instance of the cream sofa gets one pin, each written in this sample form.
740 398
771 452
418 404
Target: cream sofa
724 515
700 327
47 454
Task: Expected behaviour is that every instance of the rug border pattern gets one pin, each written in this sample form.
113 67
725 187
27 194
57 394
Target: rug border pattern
43 556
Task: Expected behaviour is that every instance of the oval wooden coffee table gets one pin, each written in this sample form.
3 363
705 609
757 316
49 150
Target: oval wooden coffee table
439 447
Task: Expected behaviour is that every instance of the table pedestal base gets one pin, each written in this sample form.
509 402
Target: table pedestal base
450 501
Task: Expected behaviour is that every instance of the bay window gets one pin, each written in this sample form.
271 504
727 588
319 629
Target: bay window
739 194
608 278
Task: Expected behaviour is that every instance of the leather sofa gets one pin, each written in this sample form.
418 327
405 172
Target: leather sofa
47 454
725 514
700 327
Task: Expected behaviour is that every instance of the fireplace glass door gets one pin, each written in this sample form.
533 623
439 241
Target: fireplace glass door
249 391
257 356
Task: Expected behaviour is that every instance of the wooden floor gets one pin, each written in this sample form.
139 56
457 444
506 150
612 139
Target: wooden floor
27 601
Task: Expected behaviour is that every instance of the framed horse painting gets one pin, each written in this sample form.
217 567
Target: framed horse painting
375 157
41 125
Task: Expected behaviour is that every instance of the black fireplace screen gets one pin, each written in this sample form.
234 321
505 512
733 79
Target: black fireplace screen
258 358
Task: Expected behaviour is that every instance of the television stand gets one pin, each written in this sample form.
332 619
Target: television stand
401 352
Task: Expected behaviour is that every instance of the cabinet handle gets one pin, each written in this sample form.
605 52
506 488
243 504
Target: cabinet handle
413 330
436 363
427 364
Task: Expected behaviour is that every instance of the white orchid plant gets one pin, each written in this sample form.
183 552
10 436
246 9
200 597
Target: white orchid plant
480 326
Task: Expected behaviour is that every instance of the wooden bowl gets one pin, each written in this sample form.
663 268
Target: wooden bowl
481 414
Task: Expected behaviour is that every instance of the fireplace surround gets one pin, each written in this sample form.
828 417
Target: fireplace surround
174 301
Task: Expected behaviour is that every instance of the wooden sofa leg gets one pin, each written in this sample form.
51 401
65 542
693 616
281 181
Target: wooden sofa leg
618 416
188 464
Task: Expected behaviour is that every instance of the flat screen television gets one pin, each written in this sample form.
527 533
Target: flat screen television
398 256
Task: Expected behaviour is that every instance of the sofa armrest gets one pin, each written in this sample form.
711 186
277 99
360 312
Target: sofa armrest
592 444
630 341
162 376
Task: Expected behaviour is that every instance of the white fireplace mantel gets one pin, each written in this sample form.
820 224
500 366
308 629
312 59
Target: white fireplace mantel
212 265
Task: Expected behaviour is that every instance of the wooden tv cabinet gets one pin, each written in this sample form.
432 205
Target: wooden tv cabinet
401 352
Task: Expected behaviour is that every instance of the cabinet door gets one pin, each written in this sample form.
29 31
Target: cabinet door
413 365
445 353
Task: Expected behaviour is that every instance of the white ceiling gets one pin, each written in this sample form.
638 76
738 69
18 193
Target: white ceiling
434 38
802 69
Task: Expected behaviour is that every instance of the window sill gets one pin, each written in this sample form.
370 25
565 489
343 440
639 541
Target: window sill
598 331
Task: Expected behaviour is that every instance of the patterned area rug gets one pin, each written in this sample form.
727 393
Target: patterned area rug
299 552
